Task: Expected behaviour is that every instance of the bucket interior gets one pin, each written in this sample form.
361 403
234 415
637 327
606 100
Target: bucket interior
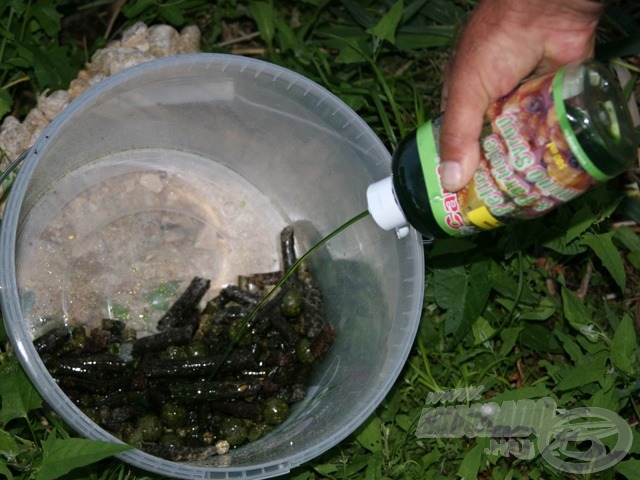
191 166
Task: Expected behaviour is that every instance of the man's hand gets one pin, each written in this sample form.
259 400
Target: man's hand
504 42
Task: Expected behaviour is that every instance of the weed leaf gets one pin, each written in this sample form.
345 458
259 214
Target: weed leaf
627 237
388 24
631 207
5 471
579 223
9 448
509 338
634 258
524 393
545 309
463 294
360 15
482 332
19 396
374 468
353 51
358 463
629 468
47 16
589 369
561 245
326 469
623 346
370 437
570 345
52 67
264 15
288 39
5 102
472 460
602 245
577 314
134 9
604 397
60 456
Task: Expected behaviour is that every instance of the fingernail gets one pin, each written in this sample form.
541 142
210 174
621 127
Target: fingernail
450 175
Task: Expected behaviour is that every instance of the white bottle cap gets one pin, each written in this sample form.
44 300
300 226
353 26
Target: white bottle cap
384 208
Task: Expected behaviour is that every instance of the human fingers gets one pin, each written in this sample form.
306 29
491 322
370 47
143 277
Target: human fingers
481 71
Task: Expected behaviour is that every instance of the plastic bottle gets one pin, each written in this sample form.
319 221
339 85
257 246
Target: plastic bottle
544 144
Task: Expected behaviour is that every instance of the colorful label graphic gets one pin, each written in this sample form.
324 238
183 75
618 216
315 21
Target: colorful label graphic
531 163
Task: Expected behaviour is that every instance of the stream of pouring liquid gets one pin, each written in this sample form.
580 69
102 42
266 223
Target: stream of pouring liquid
284 278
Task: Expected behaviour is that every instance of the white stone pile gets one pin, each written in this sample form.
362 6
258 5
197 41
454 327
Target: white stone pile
138 44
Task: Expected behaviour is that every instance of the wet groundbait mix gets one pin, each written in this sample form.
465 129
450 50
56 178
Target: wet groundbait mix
210 379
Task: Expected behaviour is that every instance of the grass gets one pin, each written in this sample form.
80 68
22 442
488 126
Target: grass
549 308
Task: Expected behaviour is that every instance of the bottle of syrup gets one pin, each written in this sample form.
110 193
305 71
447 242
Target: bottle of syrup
547 142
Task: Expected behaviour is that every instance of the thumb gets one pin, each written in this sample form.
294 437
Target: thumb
461 128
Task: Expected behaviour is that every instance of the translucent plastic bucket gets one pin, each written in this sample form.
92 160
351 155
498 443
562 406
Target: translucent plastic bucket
189 166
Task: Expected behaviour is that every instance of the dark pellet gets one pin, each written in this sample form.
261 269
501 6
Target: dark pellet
313 311
263 280
284 328
238 295
240 409
182 311
209 391
101 386
236 361
287 247
209 379
159 341
94 366
52 340
321 343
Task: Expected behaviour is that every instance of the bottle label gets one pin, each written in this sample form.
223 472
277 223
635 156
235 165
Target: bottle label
528 164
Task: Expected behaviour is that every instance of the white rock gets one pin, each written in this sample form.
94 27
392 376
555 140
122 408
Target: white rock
190 39
97 78
76 87
164 40
53 104
138 44
35 122
111 61
151 182
14 137
136 37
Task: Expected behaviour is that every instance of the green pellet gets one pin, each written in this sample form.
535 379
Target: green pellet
129 335
171 439
235 328
197 349
150 427
304 353
173 415
291 303
259 430
275 411
174 353
233 430
134 437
